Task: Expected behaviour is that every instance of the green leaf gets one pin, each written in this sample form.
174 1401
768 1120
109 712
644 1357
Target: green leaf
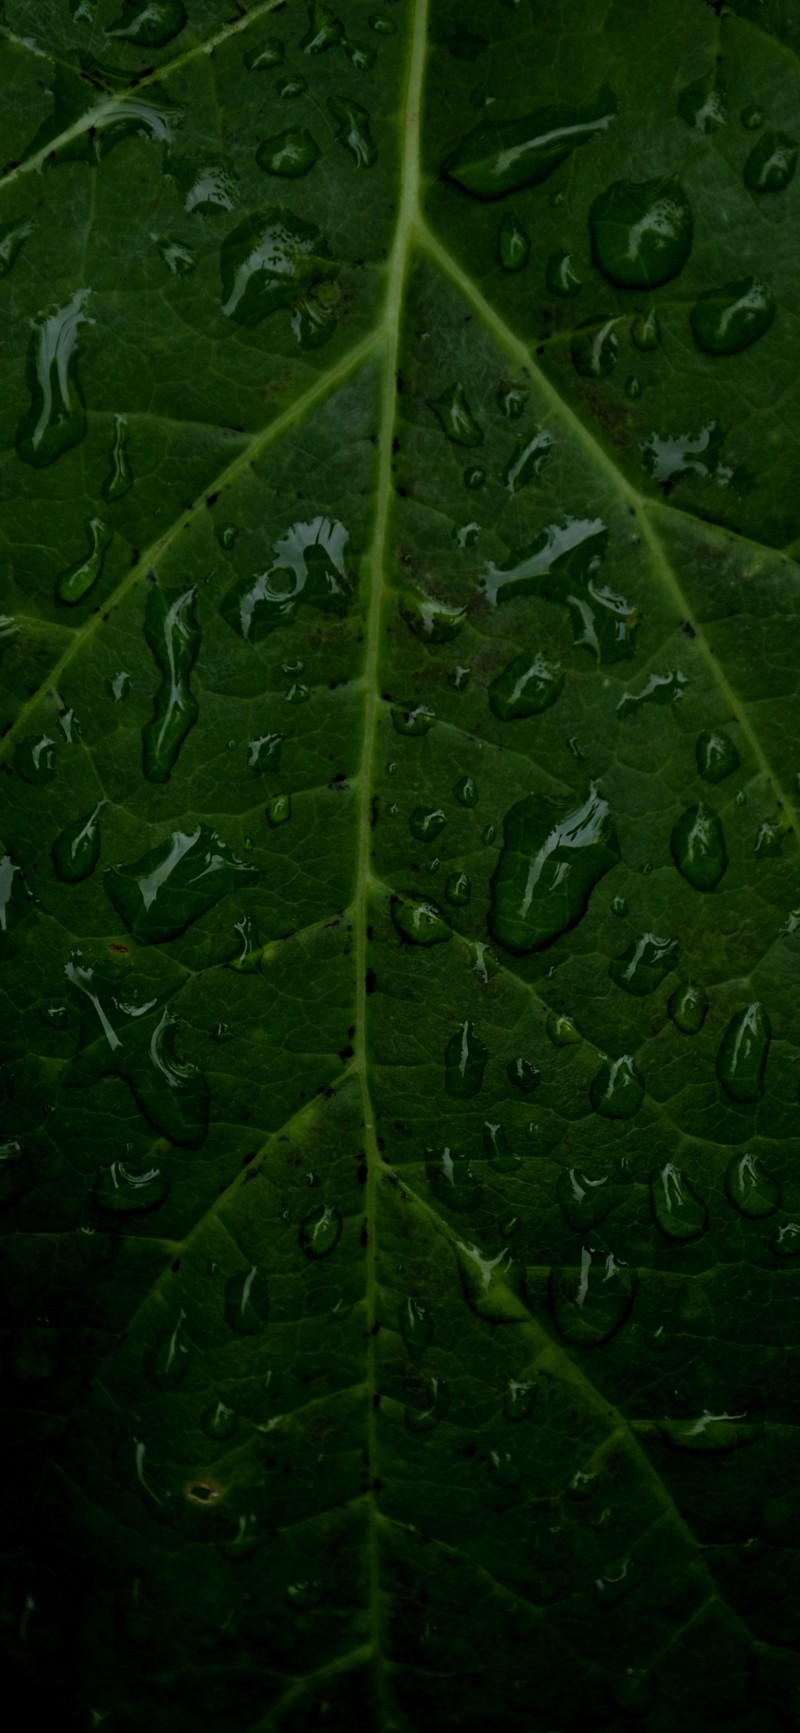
399 899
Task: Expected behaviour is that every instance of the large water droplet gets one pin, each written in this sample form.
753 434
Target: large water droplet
527 685
270 261
420 922
76 580
641 232
584 1201
452 1180
320 1231
590 1304
309 568
617 1090
173 884
77 850
173 637
290 154
527 460
698 847
416 1325
771 163
726 320
128 1190
497 157
247 1302
743 1053
56 419
325 30
750 1187
465 1060
513 243
688 1008
677 1209
644 963
553 856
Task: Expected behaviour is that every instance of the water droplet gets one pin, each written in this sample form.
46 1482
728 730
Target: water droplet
353 130
271 53
149 23
591 1303
452 1180
582 1485
688 1008
677 1209
458 890
526 686
752 117
497 157
264 752
432 621
519 1398
219 1421
498 1149
743 1053
771 163
325 30
769 840
708 1432
290 154
279 811
179 259
698 847
466 535
176 882
716 755
383 25
456 417
513 243
248 961
726 320
466 791
527 460
418 720
594 349
420 922
585 1202
751 1188
288 88
633 387
561 1030
511 401
320 1231
76 580
492 1286
169 1361
119 480
524 1076
427 822
617 1090
270 261
125 1189
561 277
465 1060
77 850
432 1407
641 232
35 760
553 856
474 477
247 1302
617 1581
702 104
173 637
309 569
16 1172
646 331
658 689
787 1240
416 1325
55 1016
561 565
644 963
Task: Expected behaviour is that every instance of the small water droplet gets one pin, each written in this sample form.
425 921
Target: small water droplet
787 1240
431 1408
173 638
492 1286
76 580
743 1053
728 319
179 259
644 963
420 922
590 1304
527 460
353 130
633 387
279 811
35 760
641 232
247 1302
526 686
553 856
702 104
769 840
12 236
513 243
688 1008
416 1325
465 1060
456 417
646 331
119 480
169 1361
325 30
511 401
219 1421
384 26
716 755
771 163
617 1581
677 1209
458 890
594 349
16 1172
288 88
264 752
118 686
452 1179
519 1399
498 1148
585 1202
77 850
658 689
418 720
270 53
698 847
320 1231
561 277
752 117
708 1432
617 1090
524 1075
427 822
561 1030
466 791
127 1190
432 621
149 23
751 1188
474 477
290 154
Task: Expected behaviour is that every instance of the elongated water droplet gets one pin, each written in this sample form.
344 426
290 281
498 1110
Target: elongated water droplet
458 890
716 755
617 1091
452 1180
247 1302
35 759
465 1060
553 856
524 1076
248 962
173 884
56 419
702 104
749 1186
677 1209
561 277
353 130
12 236
771 163
129 1190
641 232
594 349
456 417
320 1231
688 1008
219 1421
644 963
658 689
584 1201
169 1361
590 1304
173 637
431 621
418 720
743 1053
698 847
290 154
497 157
726 320
416 1325
420 922
270 53
149 23
119 480
78 579
513 243
646 330
527 460
498 1148
527 685
77 850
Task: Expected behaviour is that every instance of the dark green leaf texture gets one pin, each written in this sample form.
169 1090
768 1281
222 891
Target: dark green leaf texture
399 907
